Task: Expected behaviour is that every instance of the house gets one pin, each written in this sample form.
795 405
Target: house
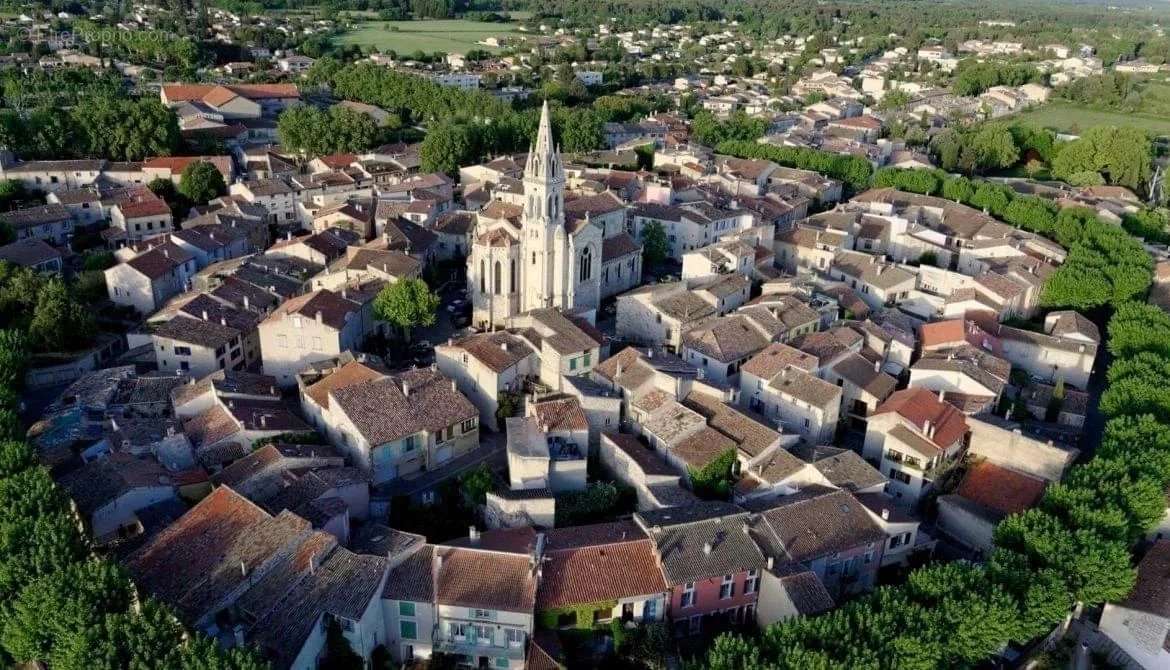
971 377
408 602
197 395
710 563
988 494
876 282
401 424
913 437
1066 350
295 63
904 540
566 345
1140 622
807 249
236 101
230 428
779 383
548 447
150 278
592 575
142 216
48 223
205 334
34 254
488 368
786 592
110 490
638 466
228 567
863 385
722 345
485 593
313 327
659 314
827 531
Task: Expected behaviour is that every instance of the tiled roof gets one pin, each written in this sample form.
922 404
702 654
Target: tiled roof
865 375
848 470
560 414
775 358
618 246
382 412
611 568
748 433
806 387
497 350
104 480
1151 592
412 578
814 523
726 340
333 308
919 406
700 541
1000 488
485 580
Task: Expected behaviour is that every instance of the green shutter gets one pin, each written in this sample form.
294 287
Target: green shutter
405 608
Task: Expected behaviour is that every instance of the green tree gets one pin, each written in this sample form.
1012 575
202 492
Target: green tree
201 181
59 322
406 303
339 655
1120 156
655 246
476 484
447 146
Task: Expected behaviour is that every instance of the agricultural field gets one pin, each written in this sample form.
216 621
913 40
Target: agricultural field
447 35
1152 115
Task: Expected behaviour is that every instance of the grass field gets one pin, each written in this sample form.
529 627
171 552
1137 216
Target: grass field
1153 114
447 35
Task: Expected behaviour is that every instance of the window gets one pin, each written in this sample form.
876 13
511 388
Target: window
688 595
484 635
572 363
585 364
468 425
408 630
496 281
482 614
586 264
183 351
501 662
515 637
512 276
282 341
459 630
727 588
752 582
405 608
696 624
482 276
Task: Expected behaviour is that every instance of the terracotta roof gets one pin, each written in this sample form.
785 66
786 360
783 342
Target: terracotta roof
412 578
485 580
938 333
1151 592
751 435
618 246
497 350
919 405
561 414
188 92
814 523
353 372
382 412
1001 489
777 357
622 565
333 308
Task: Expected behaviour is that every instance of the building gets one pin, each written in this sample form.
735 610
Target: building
548 447
1140 622
710 563
312 327
779 383
549 262
147 280
401 424
48 223
488 368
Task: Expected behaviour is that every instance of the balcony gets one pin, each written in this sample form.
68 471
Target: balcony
467 646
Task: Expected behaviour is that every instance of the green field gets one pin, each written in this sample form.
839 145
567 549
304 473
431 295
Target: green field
1153 114
447 35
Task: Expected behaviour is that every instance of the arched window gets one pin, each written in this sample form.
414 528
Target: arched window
512 276
534 258
482 276
586 264
551 211
496 280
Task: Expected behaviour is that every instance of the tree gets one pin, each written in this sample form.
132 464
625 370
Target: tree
407 303
655 246
339 655
1120 156
476 484
59 322
201 181
447 146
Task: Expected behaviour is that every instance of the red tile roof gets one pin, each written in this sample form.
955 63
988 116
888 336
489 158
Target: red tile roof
608 570
1001 489
919 405
940 333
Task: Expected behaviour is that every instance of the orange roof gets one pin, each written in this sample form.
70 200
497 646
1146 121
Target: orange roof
918 406
939 333
353 372
189 92
176 164
1001 489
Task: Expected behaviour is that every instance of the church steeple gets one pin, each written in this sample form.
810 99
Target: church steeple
544 162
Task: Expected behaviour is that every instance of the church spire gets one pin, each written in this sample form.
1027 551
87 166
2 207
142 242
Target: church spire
543 161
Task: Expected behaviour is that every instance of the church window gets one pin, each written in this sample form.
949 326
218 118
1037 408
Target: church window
512 276
586 264
534 258
482 275
496 280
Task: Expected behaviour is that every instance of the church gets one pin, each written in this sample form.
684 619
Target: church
549 261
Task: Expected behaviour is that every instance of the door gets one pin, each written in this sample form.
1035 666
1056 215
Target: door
627 612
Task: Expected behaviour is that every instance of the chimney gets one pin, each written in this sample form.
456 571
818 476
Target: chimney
877 366
223 321
503 345
245 302
406 391
885 514
204 315
472 534
263 420
942 396
707 548
243 568
927 429
771 561
319 316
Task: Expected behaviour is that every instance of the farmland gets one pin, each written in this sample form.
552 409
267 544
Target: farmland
447 35
1152 114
